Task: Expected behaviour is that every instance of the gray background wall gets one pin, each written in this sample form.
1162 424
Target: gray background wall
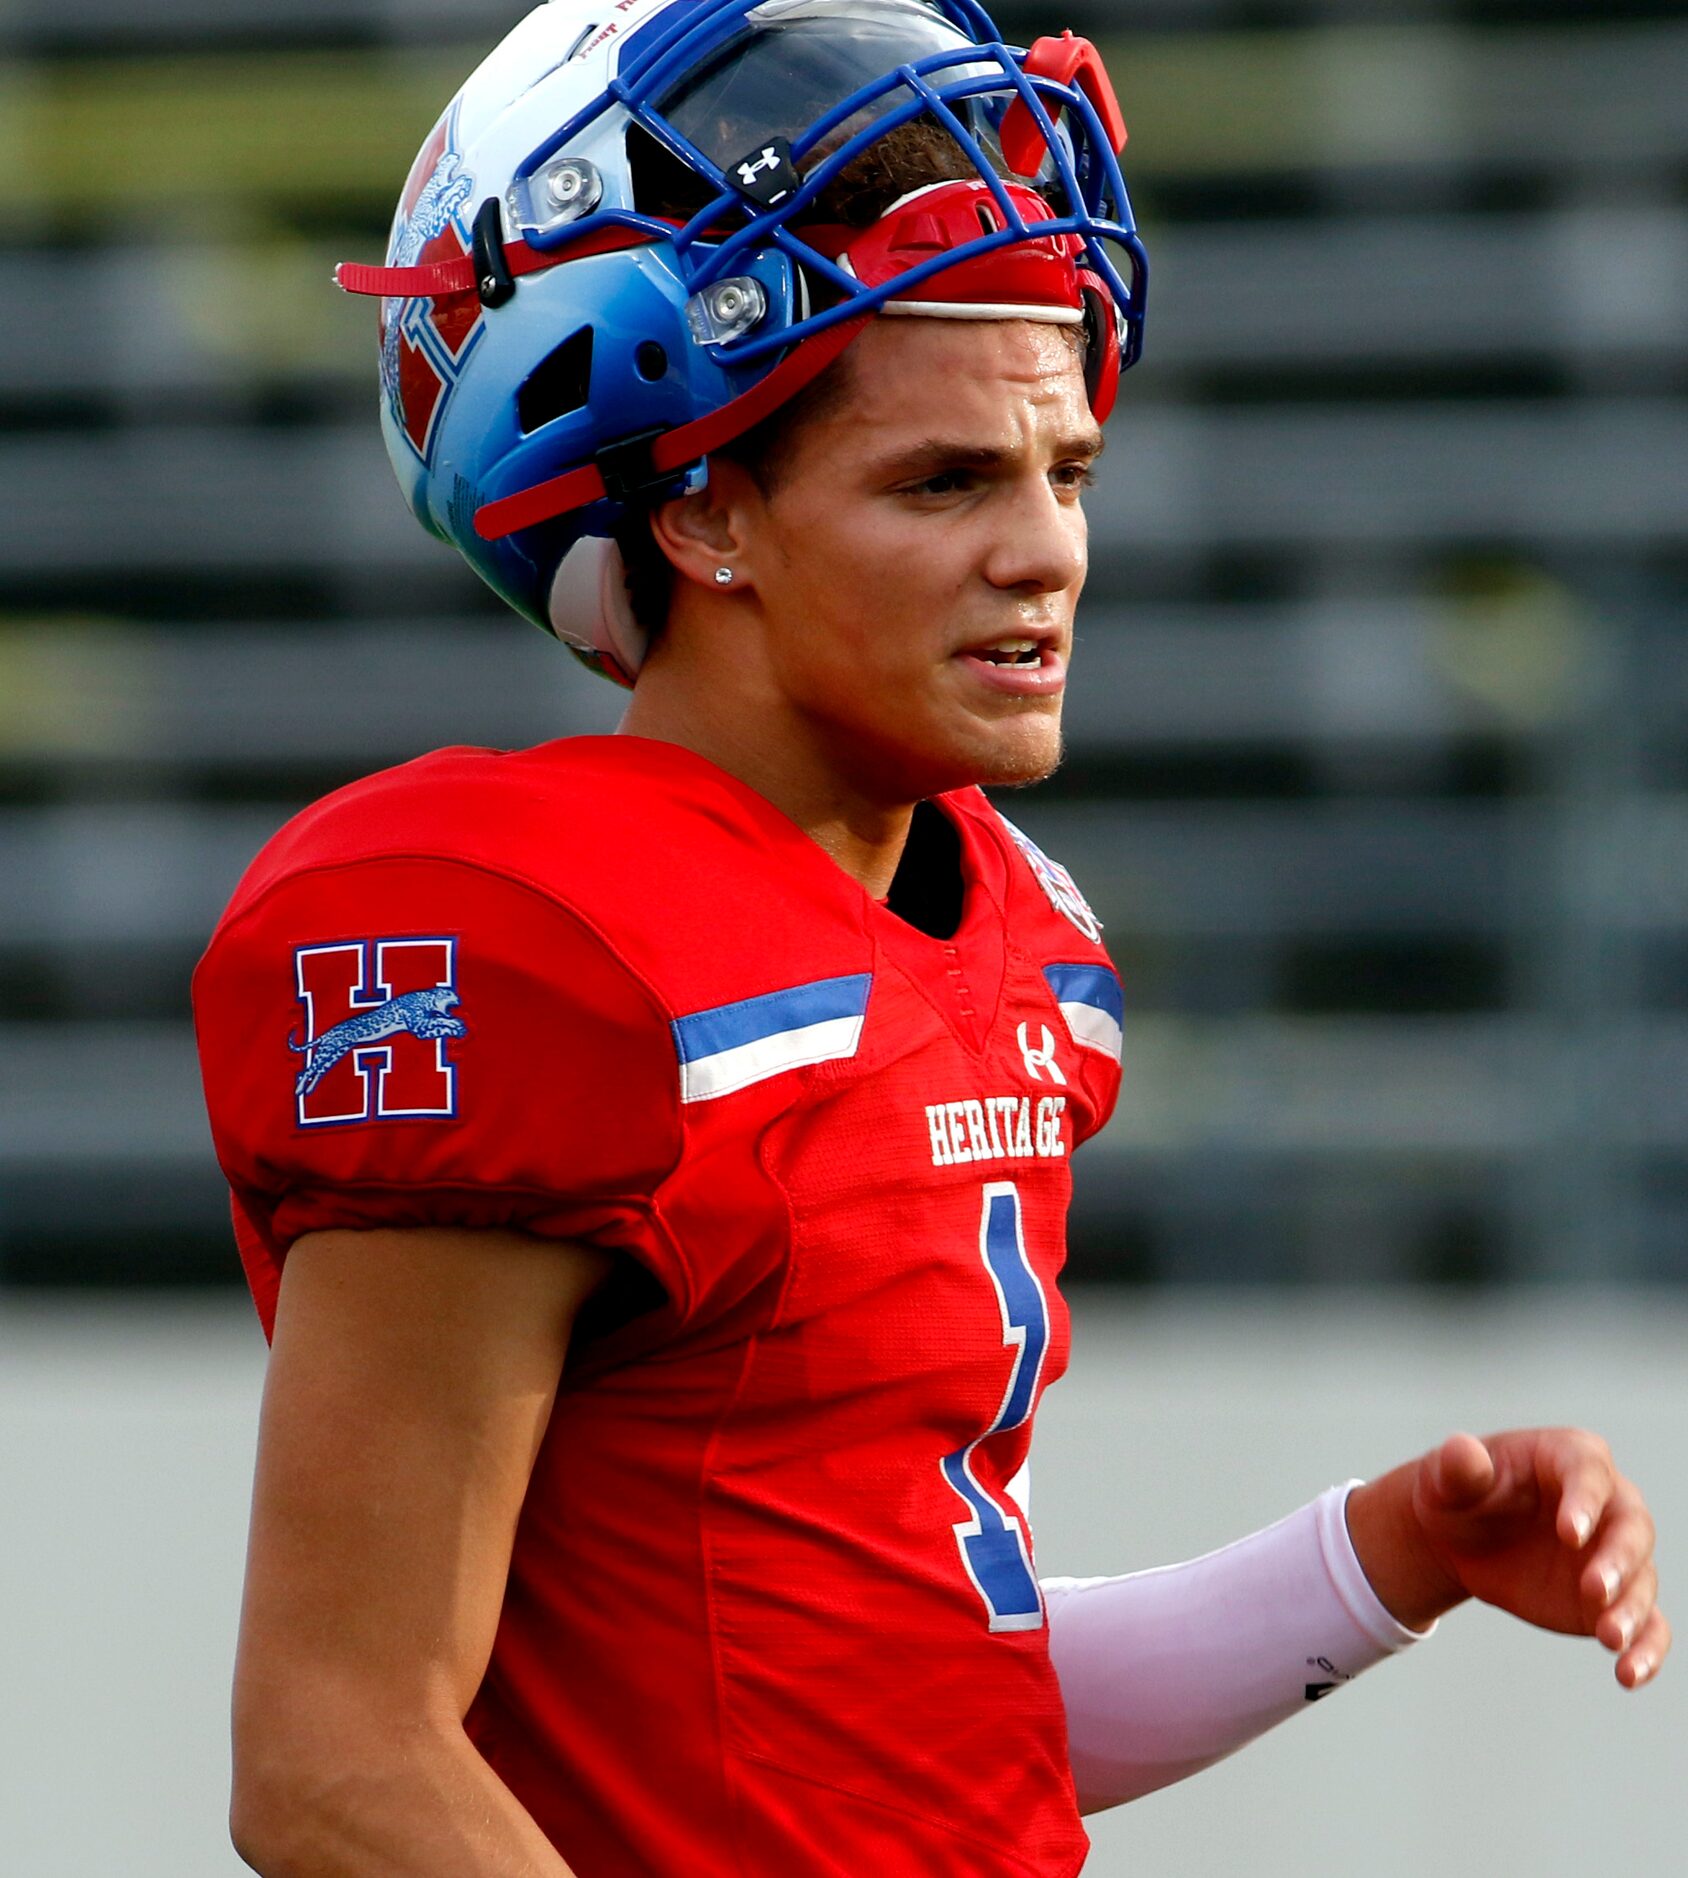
1488 1752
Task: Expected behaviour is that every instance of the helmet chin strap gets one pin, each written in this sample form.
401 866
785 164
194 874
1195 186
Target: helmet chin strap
438 279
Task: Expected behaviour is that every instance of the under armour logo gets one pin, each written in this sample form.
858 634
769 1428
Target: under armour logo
752 167
1037 1061
767 175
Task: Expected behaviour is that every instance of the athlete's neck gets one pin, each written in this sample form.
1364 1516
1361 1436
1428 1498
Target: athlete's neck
793 771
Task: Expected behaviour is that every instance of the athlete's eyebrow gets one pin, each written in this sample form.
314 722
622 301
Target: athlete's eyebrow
939 453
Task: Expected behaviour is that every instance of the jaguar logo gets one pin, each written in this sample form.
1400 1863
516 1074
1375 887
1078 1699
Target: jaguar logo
421 1013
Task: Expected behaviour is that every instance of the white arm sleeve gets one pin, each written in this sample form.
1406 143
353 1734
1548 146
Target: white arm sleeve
1164 1672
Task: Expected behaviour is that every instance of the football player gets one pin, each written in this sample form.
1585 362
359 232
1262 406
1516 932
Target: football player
650 1153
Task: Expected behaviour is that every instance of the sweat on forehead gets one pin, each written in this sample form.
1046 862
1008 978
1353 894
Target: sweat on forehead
769 450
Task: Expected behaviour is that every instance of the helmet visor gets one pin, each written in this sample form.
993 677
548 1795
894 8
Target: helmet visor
797 60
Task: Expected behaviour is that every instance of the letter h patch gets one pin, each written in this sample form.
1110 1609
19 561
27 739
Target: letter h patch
377 1022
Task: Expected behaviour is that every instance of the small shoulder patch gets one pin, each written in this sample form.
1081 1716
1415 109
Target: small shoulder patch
378 1014
1057 883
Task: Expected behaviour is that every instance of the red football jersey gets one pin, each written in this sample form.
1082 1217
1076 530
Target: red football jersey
771 1607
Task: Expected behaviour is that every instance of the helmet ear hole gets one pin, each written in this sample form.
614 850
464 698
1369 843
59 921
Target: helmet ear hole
561 382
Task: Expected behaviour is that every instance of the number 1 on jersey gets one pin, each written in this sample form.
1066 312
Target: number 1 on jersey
993 1541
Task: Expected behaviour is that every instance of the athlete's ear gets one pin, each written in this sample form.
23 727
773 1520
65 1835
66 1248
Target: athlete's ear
710 529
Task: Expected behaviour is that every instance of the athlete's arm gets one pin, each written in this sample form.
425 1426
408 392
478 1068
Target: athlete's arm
410 1382
1164 1672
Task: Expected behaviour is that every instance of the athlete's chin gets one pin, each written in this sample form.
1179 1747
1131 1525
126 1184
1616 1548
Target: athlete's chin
1021 773
926 753
1013 755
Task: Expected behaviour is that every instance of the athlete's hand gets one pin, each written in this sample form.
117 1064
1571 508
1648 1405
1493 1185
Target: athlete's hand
1538 1522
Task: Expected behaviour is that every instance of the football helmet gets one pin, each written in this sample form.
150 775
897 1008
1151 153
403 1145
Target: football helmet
608 260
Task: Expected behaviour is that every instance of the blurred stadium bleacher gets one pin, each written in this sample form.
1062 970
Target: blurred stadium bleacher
1379 737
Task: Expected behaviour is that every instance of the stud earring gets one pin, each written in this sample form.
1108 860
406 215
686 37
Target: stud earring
723 577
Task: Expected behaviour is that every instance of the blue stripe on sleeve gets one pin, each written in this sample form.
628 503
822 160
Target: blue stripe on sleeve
728 1026
1094 985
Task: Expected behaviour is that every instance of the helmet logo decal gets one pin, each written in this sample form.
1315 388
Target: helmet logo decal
594 38
424 343
767 174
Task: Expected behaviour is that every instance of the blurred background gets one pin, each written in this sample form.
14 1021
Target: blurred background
1379 768
1378 779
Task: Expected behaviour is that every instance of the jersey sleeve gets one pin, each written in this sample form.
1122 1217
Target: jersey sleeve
422 1042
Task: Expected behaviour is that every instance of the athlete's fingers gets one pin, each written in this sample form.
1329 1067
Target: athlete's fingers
1640 1663
1621 1548
1580 1466
1622 1622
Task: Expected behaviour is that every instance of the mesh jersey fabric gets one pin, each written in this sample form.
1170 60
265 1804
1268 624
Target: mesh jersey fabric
761 1614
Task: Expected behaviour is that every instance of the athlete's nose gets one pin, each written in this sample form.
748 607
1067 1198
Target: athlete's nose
1042 544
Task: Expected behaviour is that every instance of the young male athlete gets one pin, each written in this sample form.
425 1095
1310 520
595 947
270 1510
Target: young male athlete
650 1153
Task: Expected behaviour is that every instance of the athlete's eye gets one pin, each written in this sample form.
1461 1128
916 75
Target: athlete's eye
1076 477
943 483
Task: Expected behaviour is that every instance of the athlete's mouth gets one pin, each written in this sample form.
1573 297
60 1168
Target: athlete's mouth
1011 652
1022 665
1026 648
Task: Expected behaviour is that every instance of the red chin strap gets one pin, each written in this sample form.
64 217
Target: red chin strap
1041 276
